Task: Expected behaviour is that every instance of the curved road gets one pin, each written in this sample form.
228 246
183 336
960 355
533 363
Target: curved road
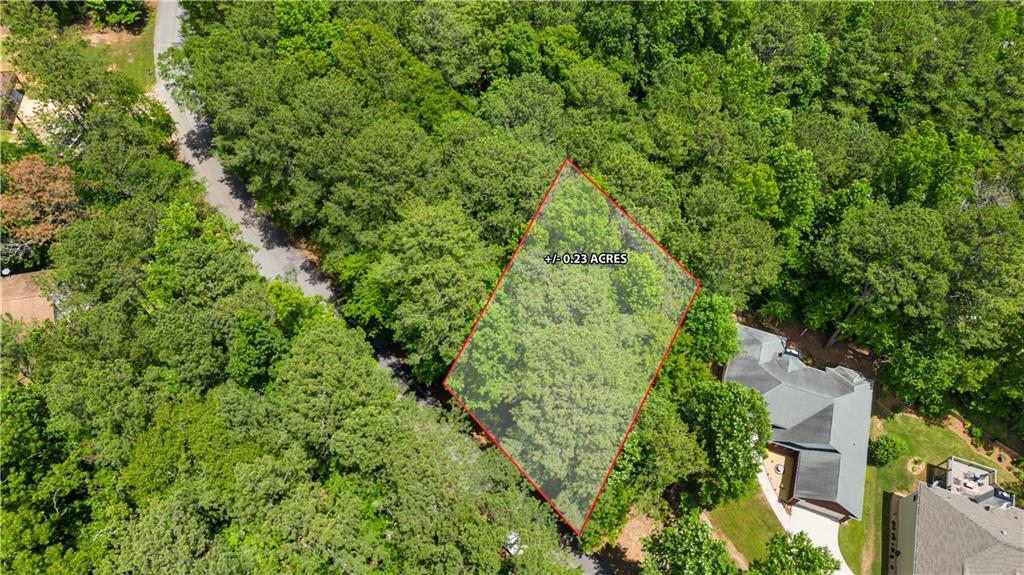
276 255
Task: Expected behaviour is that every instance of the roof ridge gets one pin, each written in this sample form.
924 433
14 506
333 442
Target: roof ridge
800 389
830 406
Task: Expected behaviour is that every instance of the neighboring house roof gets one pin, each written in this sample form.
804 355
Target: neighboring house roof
8 83
824 415
975 481
955 535
11 96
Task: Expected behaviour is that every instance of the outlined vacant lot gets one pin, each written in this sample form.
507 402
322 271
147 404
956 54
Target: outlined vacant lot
560 360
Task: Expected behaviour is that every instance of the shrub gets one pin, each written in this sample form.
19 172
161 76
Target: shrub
886 449
976 434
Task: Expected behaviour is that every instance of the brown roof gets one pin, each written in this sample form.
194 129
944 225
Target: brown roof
21 297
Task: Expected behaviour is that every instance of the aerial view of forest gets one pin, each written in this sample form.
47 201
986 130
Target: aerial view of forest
851 170
570 342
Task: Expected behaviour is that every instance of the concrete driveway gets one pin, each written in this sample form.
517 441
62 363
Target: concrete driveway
822 530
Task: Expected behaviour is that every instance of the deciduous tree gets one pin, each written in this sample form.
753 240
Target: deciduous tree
39 201
889 260
790 554
686 547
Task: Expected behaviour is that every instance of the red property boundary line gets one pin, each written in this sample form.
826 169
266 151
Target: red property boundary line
650 385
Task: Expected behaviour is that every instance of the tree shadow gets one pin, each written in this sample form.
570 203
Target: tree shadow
271 235
681 498
390 357
889 501
615 561
884 405
137 27
592 564
199 140
318 276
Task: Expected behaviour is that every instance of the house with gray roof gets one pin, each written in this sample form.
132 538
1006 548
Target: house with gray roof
820 421
946 528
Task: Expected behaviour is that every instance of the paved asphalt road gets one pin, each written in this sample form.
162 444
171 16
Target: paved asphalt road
276 256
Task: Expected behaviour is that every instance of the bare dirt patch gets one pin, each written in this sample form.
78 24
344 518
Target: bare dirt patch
22 297
916 467
867 555
310 250
109 37
811 344
631 539
877 428
481 439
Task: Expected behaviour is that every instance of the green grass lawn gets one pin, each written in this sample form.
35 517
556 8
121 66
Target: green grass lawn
748 523
932 444
135 56
854 536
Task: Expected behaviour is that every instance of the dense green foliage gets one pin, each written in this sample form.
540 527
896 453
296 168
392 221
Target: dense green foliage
114 13
701 436
732 425
101 13
790 554
853 166
565 351
686 547
185 416
886 449
857 167
181 431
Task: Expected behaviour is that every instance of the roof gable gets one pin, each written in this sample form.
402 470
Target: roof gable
814 431
814 412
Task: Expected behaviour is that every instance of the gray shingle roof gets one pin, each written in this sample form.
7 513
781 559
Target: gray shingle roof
957 536
818 475
825 415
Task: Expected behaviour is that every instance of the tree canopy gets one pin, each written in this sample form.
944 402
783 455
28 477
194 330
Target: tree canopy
854 167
